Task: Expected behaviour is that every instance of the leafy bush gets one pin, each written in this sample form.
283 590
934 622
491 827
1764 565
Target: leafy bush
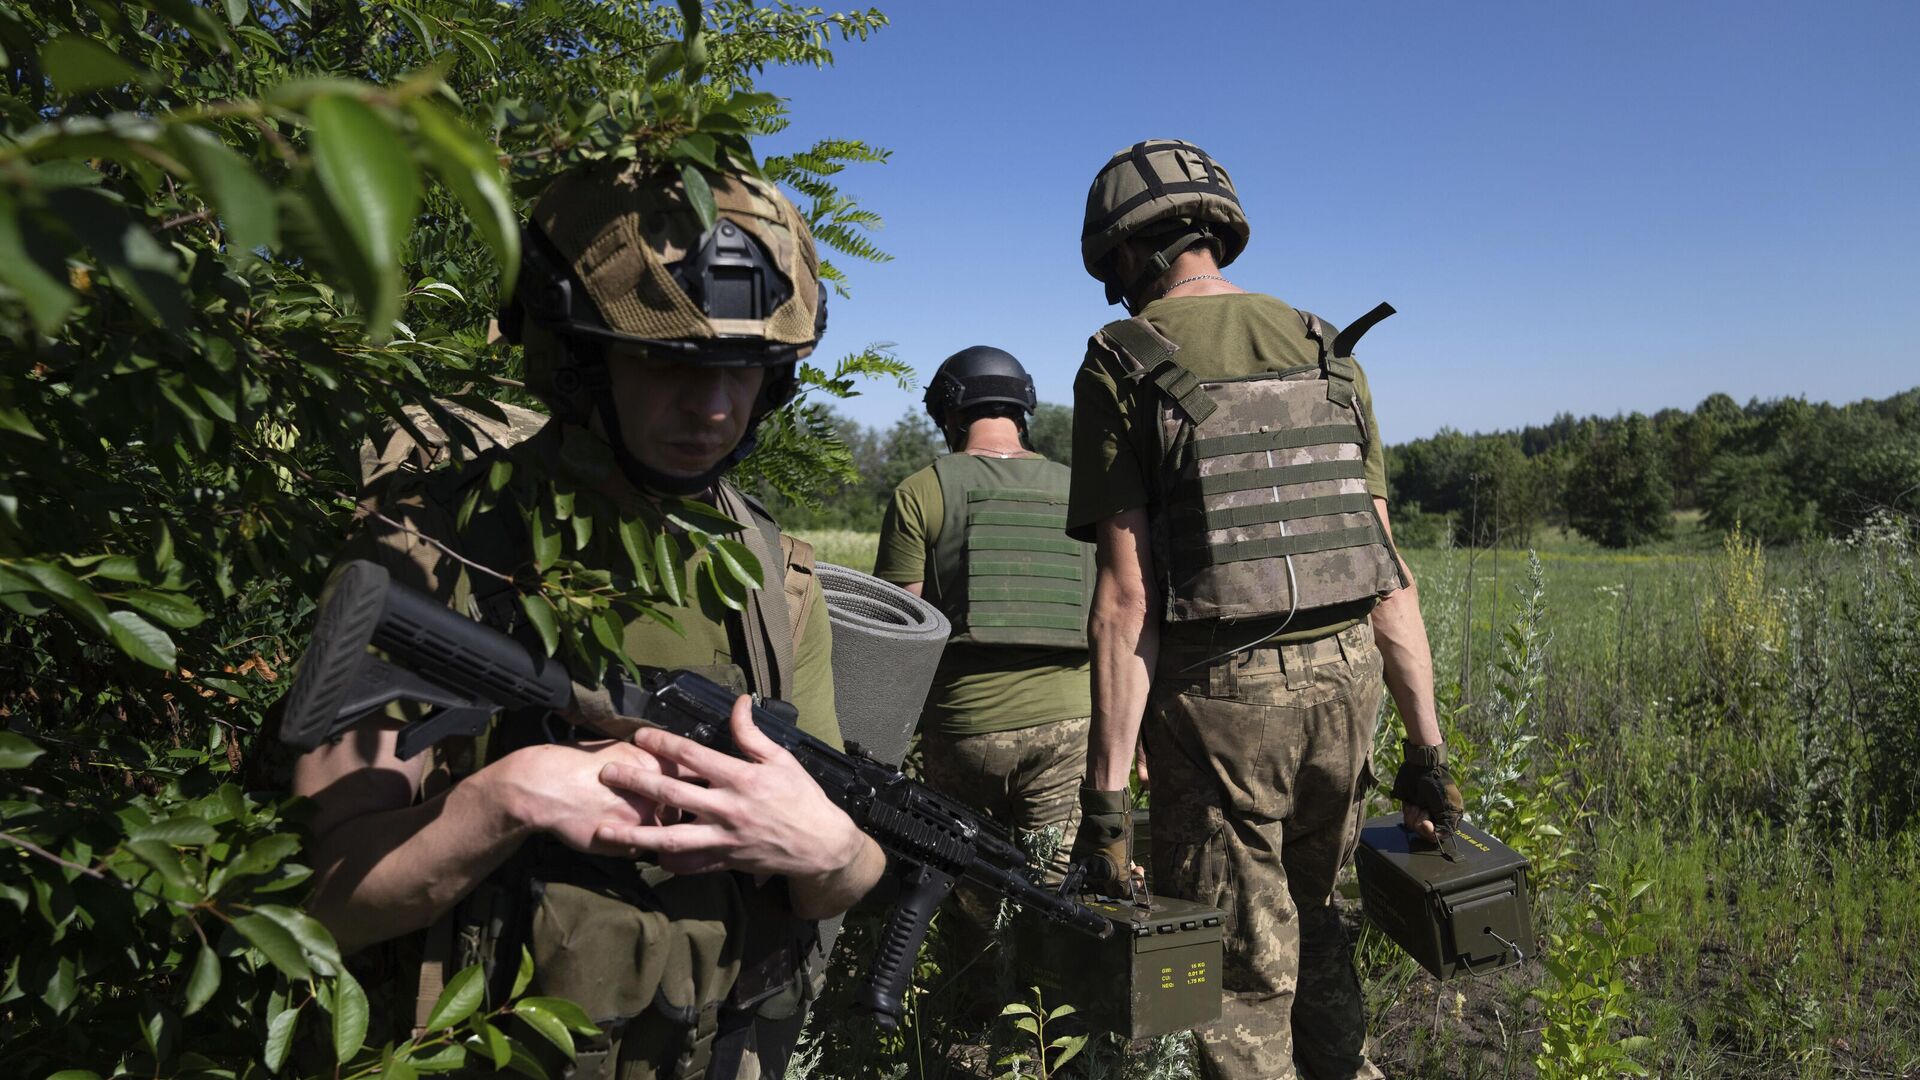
236 240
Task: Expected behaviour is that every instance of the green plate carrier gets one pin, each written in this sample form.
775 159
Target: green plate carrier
1005 570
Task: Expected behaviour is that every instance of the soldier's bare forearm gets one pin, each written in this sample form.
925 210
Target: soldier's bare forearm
1406 657
1408 663
1124 638
390 872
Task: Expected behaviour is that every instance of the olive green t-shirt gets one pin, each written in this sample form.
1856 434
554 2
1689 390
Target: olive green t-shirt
1116 438
422 508
978 688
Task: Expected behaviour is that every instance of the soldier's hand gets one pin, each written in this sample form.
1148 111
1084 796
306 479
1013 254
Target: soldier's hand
556 789
762 814
1430 801
1104 842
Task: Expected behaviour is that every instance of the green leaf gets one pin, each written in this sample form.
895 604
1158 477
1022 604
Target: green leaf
634 538
547 1025
164 860
607 630
142 640
545 541
263 855
524 1063
470 168
236 12
17 751
62 987
739 562
350 1017
729 592
75 1074
247 206
280 1039
573 1016
78 64
673 574
491 1042
523 977
314 940
461 997
276 943
48 299
175 609
540 614
370 188
699 194
204 980
14 420
446 1059
178 831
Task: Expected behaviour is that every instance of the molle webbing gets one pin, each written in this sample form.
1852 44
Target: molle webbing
1263 508
1277 476
1152 356
1005 571
1006 546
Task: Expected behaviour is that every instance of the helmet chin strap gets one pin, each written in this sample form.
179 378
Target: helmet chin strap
1160 262
649 479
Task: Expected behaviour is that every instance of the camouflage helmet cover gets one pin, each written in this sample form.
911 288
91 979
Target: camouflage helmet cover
1152 186
627 236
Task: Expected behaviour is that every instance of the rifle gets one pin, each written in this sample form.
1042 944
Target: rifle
467 671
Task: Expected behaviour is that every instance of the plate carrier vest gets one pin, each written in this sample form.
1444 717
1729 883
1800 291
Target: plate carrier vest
1004 571
683 974
1262 507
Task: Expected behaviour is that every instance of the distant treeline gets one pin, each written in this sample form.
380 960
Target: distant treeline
1785 469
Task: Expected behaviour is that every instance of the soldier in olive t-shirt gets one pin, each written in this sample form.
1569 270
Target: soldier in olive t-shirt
1116 438
980 534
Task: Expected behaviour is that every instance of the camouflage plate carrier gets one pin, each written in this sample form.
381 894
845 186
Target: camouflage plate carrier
1004 570
1264 503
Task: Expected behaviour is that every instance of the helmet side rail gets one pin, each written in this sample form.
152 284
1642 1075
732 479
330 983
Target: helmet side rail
465 672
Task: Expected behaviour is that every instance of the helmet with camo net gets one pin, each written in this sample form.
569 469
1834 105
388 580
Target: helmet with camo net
615 254
1166 192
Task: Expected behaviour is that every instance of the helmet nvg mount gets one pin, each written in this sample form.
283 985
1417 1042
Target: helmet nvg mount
615 255
979 375
1164 191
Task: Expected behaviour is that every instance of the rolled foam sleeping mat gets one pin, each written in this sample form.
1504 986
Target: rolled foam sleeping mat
886 646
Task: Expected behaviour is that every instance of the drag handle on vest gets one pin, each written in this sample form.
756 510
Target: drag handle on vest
1345 340
922 888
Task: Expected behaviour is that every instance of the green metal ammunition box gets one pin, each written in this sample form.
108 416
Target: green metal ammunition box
1465 914
1159 971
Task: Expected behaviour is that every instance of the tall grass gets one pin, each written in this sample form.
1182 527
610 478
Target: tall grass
1737 727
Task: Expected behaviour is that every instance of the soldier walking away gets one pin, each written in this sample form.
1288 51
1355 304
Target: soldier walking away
1248 602
980 534
659 344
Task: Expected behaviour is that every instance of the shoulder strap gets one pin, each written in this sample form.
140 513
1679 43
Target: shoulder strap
769 633
1150 356
799 588
1339 370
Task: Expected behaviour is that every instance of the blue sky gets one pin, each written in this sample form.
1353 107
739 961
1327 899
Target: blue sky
1597 207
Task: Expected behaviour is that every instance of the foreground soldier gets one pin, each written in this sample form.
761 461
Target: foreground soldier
1246 570
660 346
979 534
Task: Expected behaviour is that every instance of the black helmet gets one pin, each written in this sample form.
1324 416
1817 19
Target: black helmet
980 375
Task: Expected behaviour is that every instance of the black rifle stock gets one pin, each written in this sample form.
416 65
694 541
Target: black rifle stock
467 671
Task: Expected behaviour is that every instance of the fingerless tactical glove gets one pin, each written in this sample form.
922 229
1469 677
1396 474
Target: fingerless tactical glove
1424 781
1104 843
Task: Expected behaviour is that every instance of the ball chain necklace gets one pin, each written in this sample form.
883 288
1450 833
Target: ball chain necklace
1189 280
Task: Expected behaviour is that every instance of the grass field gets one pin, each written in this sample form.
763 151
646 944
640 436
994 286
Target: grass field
1709 754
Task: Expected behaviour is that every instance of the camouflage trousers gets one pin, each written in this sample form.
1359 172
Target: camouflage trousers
1025 779
1259 764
